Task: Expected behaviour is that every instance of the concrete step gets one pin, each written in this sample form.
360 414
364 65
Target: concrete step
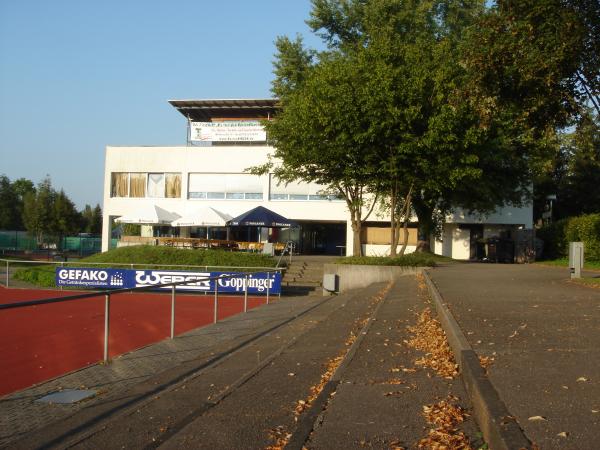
301 283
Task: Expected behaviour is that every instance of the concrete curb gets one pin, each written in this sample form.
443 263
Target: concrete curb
500 429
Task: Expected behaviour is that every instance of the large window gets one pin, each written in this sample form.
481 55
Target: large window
142 184
225 186
173 185
137 184
119 184
296 190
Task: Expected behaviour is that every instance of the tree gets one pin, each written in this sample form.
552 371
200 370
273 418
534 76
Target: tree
21 187
433 148
580 189
91 219
572 173
537 61
322 135
9 218
65 218
49 215
38 211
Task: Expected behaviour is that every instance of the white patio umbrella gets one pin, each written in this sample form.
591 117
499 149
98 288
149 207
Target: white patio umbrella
149 215
203 217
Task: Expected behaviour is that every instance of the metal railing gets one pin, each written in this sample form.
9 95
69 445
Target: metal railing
289 248
108 293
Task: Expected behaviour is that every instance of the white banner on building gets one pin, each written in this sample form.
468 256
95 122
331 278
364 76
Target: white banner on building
228 131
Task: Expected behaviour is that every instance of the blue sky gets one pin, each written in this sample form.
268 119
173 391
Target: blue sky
78 75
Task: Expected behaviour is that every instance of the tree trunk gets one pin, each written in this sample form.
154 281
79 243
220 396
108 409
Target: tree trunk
425 218
393 228
406 211
356 229
405 239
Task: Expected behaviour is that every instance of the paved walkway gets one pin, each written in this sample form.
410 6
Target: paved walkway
544 334
238 384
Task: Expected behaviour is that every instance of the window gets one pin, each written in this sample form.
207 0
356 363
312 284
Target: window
156 185
119 184
173 185
142 184
225 186
137 184
298 190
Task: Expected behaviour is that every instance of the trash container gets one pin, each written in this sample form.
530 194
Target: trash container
500 250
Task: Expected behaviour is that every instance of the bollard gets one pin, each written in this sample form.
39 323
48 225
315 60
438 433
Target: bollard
246 293
216 304
7 273
172 311
576 259
106 325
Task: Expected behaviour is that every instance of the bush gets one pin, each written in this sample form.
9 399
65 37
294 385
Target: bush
557 236
148 254
553 236
585 229
145 254
38 275
411 259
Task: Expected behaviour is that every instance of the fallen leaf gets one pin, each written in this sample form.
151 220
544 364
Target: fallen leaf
532 418
563 434
582 379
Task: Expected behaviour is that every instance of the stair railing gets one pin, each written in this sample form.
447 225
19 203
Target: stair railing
289 248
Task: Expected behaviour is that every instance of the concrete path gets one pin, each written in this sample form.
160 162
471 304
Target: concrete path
241 383
380 400
543 333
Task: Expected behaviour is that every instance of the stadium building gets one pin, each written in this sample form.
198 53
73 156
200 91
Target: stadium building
155 186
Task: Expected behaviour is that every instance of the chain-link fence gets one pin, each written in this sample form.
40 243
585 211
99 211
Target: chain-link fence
22 242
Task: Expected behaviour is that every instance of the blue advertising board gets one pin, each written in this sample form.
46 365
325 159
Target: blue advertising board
227 282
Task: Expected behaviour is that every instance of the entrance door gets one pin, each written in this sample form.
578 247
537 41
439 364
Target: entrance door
475 248
322 238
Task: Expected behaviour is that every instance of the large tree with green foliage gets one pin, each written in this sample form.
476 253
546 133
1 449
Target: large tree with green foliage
11 202
49 215
65 217
537 61
535 66
572 173
38 211
322 134
396 92
9 216
91 219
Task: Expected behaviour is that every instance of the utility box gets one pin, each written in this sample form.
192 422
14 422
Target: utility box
331 283
575 259
268 248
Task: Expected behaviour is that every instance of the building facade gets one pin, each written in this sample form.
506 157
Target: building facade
224 141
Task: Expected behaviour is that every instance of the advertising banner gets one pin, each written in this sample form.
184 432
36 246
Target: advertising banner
229 131
227 282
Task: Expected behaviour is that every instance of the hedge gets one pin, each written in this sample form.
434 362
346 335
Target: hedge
145 254
557 236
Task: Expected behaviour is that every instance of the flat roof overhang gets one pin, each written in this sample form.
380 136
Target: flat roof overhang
208 110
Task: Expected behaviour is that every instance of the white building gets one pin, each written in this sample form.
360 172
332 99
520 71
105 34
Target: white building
212 171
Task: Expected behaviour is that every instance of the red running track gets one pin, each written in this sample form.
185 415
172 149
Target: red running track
41 342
